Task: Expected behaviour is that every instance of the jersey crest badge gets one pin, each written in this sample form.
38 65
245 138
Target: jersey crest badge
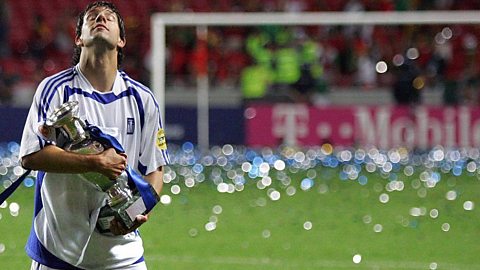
130 125
161 141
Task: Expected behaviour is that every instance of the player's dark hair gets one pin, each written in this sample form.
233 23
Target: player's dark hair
78 31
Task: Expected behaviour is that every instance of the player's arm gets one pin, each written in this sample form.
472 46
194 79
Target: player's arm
155 179
54 159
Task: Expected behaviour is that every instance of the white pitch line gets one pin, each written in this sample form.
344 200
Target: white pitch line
315 264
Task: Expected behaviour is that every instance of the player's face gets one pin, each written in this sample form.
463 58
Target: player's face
100 24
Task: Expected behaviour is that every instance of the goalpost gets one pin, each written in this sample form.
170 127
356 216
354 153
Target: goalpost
159 22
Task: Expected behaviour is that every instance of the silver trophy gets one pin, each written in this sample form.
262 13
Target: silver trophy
69 132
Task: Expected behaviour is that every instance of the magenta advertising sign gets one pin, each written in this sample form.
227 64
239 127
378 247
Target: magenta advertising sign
384 127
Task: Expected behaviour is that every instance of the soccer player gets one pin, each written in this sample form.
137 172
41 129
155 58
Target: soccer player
63 234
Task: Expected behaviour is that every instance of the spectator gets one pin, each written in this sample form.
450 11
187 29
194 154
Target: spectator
350 51
255 81
41 38
311 71
5 89
4 29
404 90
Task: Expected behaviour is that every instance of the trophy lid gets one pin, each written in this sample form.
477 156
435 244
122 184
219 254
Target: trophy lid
65 112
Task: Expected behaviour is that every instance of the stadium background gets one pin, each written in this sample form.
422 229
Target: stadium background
324 206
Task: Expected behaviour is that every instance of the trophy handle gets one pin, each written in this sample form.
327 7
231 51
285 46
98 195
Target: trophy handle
63 114
65 119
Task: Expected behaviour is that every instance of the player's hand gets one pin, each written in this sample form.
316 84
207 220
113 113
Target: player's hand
111 164
47 132
118 229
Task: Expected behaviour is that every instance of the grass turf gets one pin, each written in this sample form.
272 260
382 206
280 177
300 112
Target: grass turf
254 232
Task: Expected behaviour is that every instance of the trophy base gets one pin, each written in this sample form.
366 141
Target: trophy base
125 213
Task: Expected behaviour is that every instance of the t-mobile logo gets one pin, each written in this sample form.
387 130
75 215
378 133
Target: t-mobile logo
290 122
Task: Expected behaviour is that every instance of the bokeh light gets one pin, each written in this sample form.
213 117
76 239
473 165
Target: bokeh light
381 67
232 169
357 258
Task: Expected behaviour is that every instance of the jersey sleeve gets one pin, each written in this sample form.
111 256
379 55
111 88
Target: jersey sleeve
153 143
45 100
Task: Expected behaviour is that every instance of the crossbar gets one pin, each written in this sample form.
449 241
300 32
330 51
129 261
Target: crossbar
318 18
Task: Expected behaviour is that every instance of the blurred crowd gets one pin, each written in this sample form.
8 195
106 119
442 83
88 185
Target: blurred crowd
36 40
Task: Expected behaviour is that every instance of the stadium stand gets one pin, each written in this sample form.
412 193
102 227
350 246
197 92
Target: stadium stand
36 41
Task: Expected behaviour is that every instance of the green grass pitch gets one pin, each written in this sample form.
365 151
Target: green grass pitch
334 224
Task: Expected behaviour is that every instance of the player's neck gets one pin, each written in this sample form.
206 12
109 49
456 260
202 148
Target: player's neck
100 70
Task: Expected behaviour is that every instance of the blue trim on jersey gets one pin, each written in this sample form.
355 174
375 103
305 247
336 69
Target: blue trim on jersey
38 205
165 156
48 91
142 259
34 247
144 88
149 91
106 98
139 85
142 168
40 254
48 85
40 142
47 103
53 78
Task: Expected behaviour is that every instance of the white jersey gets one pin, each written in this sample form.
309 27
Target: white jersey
63 234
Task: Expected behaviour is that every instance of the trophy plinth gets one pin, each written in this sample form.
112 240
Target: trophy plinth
122 204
